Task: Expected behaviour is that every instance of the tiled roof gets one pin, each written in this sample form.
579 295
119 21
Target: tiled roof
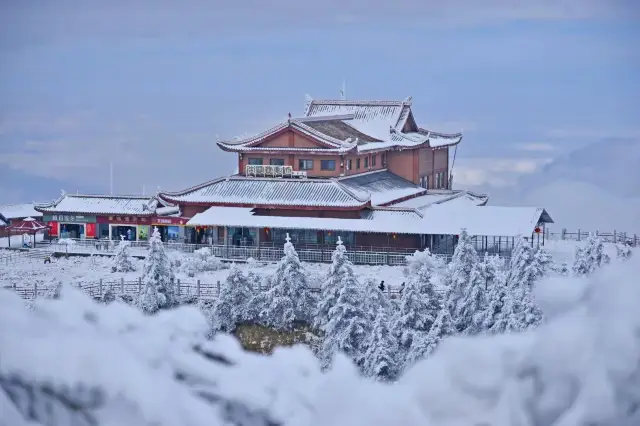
449 196
18 211
239 190
101 204
384 186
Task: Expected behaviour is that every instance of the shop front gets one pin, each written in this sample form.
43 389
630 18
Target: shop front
131 228
71 225
172 229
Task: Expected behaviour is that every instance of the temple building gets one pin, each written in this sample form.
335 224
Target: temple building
364 171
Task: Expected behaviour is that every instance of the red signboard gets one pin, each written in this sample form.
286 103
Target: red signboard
90 230
171 221
53 228
124 220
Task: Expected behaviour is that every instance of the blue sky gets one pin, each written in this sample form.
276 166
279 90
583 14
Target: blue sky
149 85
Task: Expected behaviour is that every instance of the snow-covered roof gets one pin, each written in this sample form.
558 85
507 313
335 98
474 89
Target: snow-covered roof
385 187
449 196
101 204
341 126
269 192
435 220
2 222
18 211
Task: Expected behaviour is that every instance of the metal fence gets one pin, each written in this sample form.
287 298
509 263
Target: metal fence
619 237
267 253
196 289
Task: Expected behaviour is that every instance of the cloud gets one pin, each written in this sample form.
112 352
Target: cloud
43 22
494 172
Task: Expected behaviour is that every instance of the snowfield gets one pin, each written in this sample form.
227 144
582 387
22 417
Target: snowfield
74 361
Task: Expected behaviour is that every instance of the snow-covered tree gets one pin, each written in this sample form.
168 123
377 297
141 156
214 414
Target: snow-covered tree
122 260
380 360
231 306
375 299
346 326
425 344
330 287
490 268
158 278
561 269
517 309
288 298
590 257
466 287
419 304
623 251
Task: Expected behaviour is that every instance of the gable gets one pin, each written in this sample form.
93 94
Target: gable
410 125
289 139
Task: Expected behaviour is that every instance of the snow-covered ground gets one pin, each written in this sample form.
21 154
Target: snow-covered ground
73 361
19 240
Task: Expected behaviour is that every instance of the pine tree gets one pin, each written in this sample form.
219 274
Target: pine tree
590 257
466 287
426 343
122 261
419 304
347 324
330 288
231 306
288 298
623 251
375 299
379 359
518 310
158 278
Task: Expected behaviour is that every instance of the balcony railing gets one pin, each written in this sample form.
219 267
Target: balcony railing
273 171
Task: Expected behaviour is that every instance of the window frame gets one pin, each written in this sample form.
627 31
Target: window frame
250 159
373 160
323 162
357 164
304 161
271 160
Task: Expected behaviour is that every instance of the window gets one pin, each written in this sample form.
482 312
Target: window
366 162
327 164
426 182
358 163
384 159
255 161
305 164
440 180
373 160
423 181
276 161
349 165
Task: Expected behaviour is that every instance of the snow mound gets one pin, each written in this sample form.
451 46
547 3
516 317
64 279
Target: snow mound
74 361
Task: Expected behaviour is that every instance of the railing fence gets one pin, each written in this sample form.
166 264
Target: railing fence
619 237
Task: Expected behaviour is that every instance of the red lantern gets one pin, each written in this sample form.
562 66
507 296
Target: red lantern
537 230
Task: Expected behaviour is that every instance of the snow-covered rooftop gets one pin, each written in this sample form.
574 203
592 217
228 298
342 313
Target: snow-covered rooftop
239 190
435 220
2 222
18 211
342 126
102 204
449 196
385 187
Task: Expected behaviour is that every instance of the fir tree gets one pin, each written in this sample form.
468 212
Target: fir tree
590 257
347 324
379 359
330 288
426 343
375 299
623 251
466 287
158 277
418 306
122 261
231 306
288 299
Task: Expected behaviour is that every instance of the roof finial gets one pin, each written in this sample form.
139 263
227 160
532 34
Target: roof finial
343 90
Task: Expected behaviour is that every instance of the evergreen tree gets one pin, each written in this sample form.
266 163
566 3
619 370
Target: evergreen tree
330 288
158 277
379 359
623 251
419 304
590 257
426 343
288 299
375 299
347 324
466 287
121 261
231 306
